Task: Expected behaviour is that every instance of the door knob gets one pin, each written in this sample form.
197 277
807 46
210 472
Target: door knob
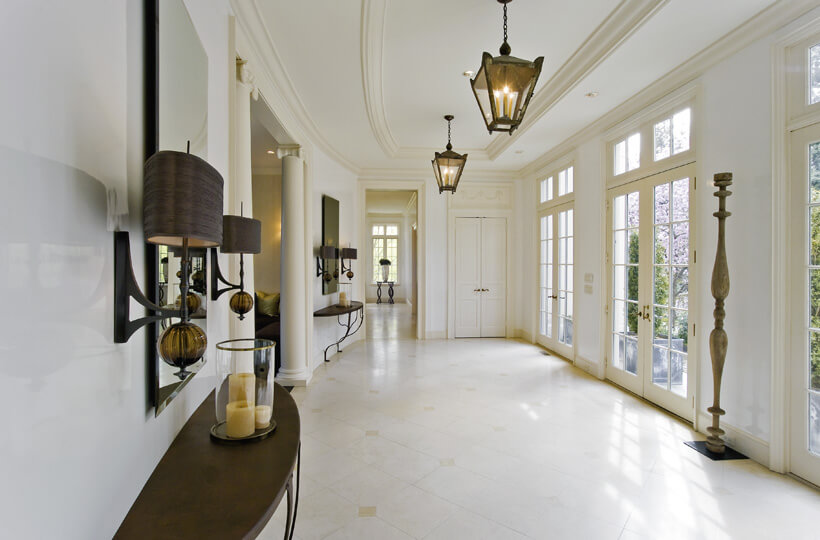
553 296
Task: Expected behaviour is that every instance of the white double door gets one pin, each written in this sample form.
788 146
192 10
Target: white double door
649 258
481 277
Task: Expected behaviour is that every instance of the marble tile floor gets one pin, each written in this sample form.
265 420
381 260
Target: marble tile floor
493 439
390 321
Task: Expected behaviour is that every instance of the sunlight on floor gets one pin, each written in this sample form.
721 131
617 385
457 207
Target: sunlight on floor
491 439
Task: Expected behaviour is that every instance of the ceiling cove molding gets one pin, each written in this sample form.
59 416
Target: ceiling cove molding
372 52
426 173
621 23
764 23
372 59
250 19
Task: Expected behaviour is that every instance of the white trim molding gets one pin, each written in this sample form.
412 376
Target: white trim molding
616 28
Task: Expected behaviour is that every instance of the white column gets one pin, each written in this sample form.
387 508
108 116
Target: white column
293 328
241 193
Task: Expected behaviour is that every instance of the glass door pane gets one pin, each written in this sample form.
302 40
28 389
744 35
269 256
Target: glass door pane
670 286
625 284
804 395
546 281
565 285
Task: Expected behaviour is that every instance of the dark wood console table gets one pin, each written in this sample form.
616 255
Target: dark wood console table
355 314
201 489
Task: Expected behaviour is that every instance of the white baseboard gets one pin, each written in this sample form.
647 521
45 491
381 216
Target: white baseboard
742 441
593 368
435 335
520 333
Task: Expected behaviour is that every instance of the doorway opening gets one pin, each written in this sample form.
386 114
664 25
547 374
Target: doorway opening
391 264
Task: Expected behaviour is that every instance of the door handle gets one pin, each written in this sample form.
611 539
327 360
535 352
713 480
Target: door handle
645 313
553 296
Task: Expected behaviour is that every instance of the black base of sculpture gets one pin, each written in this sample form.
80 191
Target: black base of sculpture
729 454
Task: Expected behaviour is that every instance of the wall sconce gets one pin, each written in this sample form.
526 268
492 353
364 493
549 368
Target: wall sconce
240 235
182 207
326 253
350 255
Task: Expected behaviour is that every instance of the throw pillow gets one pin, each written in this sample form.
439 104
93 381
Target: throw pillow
268 303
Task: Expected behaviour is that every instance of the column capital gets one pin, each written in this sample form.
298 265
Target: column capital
289 150
246 77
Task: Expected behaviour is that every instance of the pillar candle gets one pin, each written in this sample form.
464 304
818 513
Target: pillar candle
242 387
240 419
263 414
343 299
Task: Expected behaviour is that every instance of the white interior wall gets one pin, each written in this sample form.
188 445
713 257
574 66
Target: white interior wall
72 128
330 178
267 207
734 136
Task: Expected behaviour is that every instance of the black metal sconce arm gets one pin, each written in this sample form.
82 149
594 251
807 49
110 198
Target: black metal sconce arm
217 277
320 267
125 288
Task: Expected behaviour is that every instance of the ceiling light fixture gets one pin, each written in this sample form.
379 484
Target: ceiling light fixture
469 73
504 85
271 151
591 94
448 165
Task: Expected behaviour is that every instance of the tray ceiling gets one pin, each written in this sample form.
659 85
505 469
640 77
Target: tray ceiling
375 77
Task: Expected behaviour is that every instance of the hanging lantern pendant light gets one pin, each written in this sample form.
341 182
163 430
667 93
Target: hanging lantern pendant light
448 165
504 85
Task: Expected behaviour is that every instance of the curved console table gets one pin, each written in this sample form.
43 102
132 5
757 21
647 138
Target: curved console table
355 314
201 489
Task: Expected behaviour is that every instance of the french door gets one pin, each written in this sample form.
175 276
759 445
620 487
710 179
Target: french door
804 407
556 328
649 257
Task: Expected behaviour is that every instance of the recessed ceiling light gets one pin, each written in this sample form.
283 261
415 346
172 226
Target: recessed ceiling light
519 151
271 151
469 73
591 94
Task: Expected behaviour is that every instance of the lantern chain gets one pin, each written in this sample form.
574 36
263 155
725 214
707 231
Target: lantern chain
505 23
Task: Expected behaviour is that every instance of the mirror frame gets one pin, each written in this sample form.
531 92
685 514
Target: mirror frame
151 146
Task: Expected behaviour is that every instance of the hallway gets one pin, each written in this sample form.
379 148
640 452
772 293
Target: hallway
493 439
390 321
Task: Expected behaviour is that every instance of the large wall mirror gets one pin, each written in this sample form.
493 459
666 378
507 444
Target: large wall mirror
176 115
330 237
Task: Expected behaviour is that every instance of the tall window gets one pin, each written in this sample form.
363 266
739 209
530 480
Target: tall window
385 242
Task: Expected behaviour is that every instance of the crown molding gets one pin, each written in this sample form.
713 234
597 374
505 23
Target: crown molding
407 173
372 52
621 23
249 18
772 18
627 17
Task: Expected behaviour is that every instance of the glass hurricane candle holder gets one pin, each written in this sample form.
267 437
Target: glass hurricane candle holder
345 290
244 389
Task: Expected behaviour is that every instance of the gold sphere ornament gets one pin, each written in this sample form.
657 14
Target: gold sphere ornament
194 303
241 303
181 345
350 274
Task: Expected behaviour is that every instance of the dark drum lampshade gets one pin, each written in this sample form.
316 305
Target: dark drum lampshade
241 235
327 252
348 253
182 198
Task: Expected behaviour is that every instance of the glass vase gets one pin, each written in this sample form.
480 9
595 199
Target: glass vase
244 388
345 290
